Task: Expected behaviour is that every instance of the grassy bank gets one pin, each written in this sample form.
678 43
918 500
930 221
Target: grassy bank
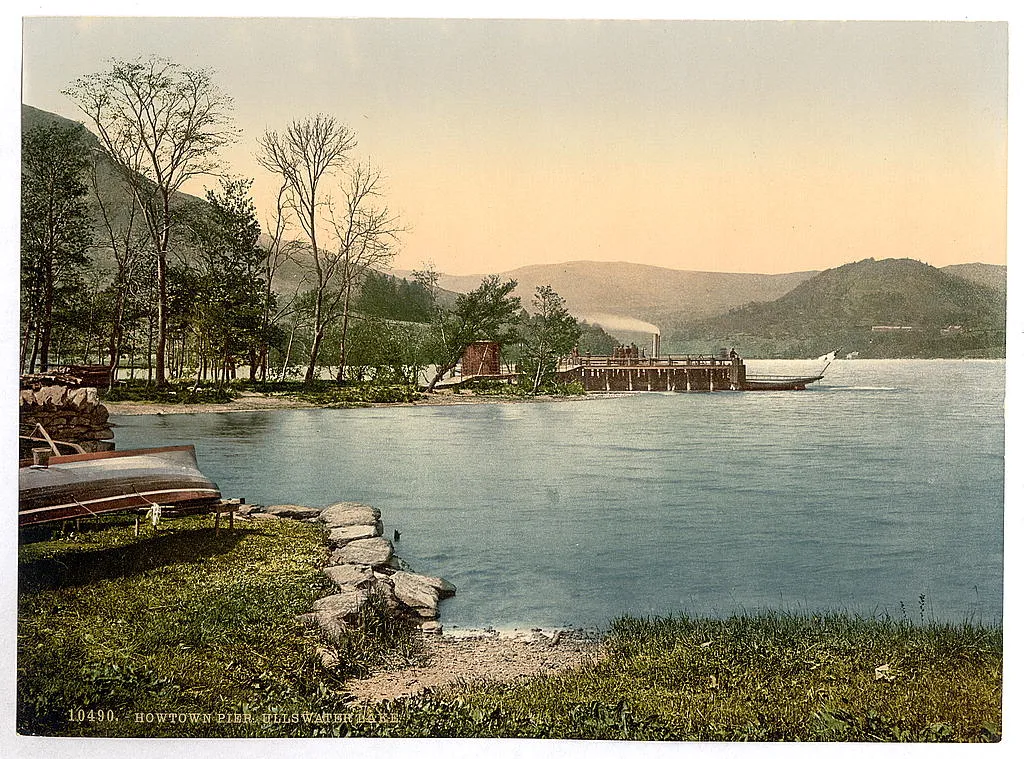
183 632
179 620
770 677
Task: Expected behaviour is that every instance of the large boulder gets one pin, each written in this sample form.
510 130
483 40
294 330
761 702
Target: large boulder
417 593
373 552
335 614
291 511
344 576
342 535
348 513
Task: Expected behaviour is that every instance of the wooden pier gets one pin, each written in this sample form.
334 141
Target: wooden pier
680 374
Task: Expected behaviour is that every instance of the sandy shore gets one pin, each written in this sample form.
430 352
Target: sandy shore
259 402
479 656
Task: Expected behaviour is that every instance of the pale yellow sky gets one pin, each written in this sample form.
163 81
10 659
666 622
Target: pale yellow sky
730 146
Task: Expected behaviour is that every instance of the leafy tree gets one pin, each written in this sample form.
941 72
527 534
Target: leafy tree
229 271
595 341
387 297
56 231
162 124
385 351
548 334
487 313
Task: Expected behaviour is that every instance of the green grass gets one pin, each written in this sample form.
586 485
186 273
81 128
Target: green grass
182 621
769 677
178 620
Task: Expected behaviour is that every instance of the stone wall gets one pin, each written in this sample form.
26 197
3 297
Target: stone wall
71 414
362 563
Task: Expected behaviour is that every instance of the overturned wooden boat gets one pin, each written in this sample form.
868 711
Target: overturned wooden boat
89 484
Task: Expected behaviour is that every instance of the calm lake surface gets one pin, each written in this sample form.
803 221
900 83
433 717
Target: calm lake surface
879 484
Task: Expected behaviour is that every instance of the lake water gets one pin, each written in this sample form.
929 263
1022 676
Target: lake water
880 484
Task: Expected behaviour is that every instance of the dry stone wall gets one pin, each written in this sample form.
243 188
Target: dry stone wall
362 564
71 414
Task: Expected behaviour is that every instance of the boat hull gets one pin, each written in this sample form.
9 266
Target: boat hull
778 383
97 483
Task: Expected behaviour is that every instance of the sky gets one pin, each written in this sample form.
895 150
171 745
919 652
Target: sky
754 146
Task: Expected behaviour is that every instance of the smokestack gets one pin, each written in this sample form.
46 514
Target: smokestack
656 349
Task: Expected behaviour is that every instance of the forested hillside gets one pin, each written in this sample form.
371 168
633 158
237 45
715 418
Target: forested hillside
893 308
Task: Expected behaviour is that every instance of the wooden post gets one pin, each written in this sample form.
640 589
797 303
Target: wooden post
136 525
231 519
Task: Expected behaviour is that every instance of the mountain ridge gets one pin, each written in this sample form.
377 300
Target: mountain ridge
890 308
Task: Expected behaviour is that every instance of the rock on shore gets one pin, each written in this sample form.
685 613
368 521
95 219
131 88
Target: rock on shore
362 565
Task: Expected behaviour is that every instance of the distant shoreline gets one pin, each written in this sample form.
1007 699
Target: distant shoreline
258 402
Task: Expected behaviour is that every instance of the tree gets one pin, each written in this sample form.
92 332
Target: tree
365 235
162 124
305 155
487 313
276 251
229 273
387 297
56 230
384 351
594 340
550 333
119 219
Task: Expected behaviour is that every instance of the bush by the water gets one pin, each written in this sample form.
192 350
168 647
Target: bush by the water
522 389
176 392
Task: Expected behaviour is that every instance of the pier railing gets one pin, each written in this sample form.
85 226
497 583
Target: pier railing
680 361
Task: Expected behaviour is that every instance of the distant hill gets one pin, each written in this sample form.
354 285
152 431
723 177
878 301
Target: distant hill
107 178
990 275
884 309
617 294
32 117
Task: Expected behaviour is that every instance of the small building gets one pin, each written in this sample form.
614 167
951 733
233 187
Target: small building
482 358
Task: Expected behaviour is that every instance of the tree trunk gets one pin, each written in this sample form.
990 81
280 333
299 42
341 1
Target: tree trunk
287 354
314 354
46 323
318 336
440 373
344 334
149 350
161 317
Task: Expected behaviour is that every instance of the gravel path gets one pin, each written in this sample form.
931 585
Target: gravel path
451 659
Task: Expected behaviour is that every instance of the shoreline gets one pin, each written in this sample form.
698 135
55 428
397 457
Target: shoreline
258 402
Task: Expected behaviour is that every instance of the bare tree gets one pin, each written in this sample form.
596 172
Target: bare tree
128 243
305 155
162 124
277 250
366 235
